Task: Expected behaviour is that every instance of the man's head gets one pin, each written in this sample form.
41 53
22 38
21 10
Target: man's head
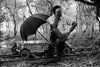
57 10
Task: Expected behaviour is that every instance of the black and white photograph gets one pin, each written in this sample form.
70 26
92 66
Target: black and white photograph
49 33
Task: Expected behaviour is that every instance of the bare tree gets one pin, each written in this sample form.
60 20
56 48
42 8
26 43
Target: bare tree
13 14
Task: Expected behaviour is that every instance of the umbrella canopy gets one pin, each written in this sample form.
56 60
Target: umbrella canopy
31 24
41 16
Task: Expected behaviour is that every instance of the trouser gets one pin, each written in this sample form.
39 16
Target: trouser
59 47
57 33
57 39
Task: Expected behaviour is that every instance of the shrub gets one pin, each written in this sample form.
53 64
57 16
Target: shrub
85 40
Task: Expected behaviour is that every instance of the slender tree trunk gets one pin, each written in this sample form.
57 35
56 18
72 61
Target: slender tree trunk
15 31
99 26
14 13
98 21
93 27
85 29
64 27
79 28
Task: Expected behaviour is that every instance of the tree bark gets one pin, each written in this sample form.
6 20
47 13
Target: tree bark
14 10
15 31
99 25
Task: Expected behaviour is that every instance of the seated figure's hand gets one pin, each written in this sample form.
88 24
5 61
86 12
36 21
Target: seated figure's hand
64 37
66 34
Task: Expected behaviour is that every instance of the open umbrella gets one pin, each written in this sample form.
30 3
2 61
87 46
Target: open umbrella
31 24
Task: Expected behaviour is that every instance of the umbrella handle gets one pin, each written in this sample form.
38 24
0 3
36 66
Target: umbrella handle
43 36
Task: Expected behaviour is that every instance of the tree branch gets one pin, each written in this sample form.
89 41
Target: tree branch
88 3
29 7
15 5
50 6
8 7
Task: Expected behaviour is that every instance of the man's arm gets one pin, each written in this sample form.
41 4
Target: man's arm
56 20
55 25
74 24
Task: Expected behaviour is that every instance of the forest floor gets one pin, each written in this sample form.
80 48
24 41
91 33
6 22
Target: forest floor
75 61
79 62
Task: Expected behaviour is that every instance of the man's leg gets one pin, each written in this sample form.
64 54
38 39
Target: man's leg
57 32
57 42
59 46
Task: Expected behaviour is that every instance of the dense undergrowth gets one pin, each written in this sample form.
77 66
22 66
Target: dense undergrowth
84 40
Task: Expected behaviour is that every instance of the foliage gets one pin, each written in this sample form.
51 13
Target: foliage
2 17
42 6
1 1
85 40
86 13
